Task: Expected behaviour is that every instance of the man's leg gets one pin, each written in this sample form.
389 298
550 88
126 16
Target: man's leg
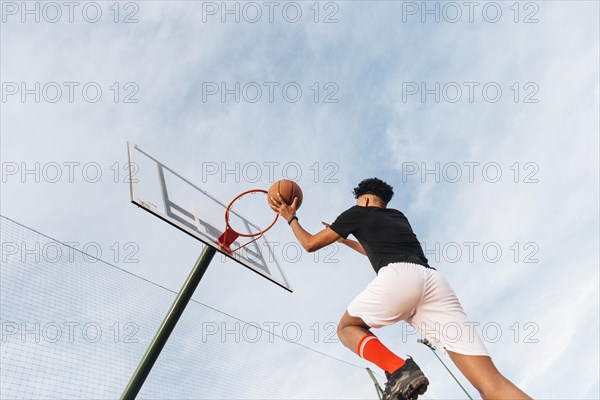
483 375
355 334
405 378
351 330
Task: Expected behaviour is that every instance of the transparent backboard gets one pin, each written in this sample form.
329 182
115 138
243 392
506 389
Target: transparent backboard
179 202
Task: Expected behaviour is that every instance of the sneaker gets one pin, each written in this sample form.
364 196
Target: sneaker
406 383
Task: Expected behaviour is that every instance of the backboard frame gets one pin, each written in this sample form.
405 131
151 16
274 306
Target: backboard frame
211 233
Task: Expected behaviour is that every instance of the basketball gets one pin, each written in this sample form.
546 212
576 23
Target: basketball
288 190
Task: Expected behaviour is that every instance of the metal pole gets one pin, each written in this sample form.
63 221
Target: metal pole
376 383
432 347
168 324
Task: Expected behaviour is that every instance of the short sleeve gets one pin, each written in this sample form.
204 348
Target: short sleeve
346 223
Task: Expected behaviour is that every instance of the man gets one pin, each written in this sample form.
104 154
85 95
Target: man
406 288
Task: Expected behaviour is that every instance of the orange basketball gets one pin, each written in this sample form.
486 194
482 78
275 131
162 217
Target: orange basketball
288 190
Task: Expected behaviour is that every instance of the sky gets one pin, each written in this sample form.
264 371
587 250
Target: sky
483 119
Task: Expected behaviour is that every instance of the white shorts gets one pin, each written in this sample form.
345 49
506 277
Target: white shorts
422 297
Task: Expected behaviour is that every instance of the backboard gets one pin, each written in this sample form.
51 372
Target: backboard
176 200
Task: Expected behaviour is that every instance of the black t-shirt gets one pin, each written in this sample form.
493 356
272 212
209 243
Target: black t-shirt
384 233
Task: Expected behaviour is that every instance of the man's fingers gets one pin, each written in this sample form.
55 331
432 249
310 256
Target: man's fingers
295 203
274 202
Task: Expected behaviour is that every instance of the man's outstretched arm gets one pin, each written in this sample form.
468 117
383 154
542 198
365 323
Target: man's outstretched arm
309 242
313 242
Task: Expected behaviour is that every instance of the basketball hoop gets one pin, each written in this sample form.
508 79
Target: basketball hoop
230 234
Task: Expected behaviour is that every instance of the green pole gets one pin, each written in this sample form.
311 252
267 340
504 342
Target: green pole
376 383
168 324
432 347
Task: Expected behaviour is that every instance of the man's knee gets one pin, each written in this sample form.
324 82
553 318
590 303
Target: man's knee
340 327
348 321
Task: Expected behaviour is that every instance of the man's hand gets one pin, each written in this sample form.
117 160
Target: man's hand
281 208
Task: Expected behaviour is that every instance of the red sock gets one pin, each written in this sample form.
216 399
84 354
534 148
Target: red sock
371 349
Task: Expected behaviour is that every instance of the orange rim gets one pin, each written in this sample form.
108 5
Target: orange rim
247 234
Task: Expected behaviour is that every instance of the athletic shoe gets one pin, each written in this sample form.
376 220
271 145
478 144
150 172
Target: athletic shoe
406 383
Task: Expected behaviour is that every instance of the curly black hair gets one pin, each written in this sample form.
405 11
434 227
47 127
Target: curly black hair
374 186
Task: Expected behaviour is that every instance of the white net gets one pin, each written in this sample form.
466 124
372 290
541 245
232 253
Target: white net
75 327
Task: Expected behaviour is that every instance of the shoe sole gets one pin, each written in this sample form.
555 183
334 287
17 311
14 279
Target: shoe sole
415 388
